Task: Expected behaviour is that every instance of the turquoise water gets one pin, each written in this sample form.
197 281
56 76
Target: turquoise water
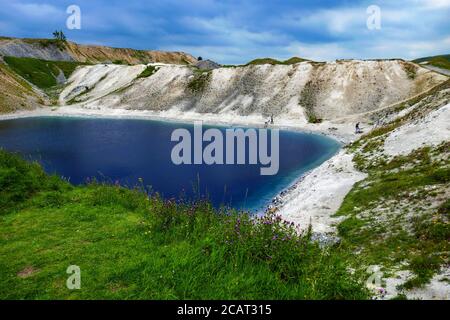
123 151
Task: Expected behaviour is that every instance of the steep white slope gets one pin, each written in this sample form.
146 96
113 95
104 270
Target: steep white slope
93 82
289 92
429 131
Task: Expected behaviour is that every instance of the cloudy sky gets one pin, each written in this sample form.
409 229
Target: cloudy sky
232 31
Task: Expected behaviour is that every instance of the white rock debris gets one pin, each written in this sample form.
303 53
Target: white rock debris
431 130
320 193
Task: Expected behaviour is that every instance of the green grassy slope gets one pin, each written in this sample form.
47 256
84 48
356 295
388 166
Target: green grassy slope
131 246
41 73
15 92
442 61
399 216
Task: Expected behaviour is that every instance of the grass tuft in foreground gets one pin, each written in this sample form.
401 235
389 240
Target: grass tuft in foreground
130 245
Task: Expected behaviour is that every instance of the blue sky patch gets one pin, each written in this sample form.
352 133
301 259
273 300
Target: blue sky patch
233 32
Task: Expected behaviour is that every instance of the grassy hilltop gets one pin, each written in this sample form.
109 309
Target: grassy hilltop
442 61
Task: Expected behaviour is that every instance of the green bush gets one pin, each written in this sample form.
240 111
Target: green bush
199 82
19 180
149 71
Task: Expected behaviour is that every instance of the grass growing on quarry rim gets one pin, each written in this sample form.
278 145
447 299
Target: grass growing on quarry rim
271 61
131 246
44 43
442 61
41 73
